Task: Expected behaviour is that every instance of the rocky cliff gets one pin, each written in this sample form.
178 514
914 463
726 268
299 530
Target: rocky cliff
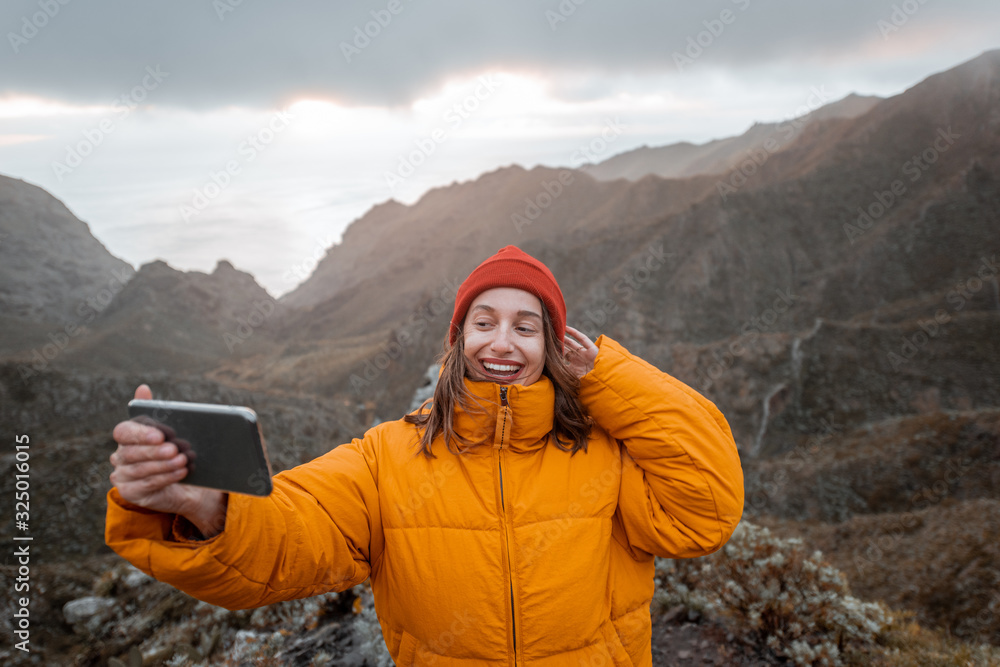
52 269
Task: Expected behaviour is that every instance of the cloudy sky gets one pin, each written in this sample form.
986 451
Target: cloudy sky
256 132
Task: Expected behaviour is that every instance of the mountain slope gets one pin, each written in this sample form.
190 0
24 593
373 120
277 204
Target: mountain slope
788 238
170 320
685 159
52 269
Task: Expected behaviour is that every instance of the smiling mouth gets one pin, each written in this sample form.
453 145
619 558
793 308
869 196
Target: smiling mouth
497 370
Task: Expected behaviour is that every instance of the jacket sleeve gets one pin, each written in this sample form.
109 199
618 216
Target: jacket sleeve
682 483
318 531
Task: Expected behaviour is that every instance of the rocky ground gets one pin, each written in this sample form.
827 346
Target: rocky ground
720 610
109 613
682 636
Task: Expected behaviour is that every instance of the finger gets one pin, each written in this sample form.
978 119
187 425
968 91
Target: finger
146 420
579 336
144 392
138 471
134 433
130 454
588 347
574 336
573 348
139 489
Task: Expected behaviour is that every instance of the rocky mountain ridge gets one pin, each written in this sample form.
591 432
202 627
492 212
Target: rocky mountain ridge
838 299
684 159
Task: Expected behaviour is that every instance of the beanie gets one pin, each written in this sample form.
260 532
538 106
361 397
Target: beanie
512 267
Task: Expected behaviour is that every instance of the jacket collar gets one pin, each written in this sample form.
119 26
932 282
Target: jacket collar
524 427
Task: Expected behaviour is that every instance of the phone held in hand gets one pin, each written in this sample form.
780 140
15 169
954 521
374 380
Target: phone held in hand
223 443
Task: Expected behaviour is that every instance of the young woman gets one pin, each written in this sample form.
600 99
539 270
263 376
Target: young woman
512 521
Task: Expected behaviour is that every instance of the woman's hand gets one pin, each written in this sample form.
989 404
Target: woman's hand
147 469
579 352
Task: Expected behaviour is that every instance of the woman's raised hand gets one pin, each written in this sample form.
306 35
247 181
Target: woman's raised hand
147 468
579 352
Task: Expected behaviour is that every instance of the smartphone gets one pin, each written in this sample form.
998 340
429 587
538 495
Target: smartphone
223 443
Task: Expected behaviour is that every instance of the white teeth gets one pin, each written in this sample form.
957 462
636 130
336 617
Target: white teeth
501 368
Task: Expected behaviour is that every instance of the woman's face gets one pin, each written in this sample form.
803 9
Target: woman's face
504 337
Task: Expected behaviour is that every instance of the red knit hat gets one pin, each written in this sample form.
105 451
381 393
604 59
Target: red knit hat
512 267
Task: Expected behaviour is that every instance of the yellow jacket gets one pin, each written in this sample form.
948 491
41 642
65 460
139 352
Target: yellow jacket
510 554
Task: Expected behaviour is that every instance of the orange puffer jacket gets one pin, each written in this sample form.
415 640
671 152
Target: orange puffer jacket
512 554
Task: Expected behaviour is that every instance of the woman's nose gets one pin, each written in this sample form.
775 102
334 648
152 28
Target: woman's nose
501 341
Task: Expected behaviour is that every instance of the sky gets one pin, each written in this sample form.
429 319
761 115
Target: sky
257 132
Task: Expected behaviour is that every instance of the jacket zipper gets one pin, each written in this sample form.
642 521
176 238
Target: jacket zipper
503 441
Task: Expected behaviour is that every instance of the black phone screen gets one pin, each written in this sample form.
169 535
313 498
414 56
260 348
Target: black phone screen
223 443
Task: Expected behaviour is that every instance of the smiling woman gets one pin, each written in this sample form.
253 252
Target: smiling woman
504 339
562 466
509 327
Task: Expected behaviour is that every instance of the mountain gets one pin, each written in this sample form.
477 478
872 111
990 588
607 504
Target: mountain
838 298
815 240
685 159
171 320
388 288
841 284
52 269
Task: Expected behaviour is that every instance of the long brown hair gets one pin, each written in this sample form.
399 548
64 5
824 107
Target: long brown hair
570 424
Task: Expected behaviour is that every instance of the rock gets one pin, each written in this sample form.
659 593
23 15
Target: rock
87 614
673 614
251 646
684 655
426 390
50 262
136 578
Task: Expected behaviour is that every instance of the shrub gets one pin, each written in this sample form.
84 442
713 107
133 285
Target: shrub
773 595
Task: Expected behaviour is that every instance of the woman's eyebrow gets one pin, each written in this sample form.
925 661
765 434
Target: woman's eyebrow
520 313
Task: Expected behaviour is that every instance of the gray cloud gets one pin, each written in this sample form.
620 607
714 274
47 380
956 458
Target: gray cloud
263 54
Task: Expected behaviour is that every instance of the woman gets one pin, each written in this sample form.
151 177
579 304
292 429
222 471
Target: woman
514 520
